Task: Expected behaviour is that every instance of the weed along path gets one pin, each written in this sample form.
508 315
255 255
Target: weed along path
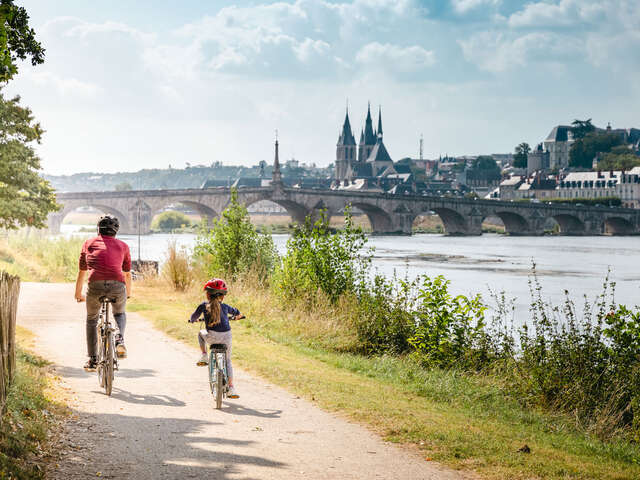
160 421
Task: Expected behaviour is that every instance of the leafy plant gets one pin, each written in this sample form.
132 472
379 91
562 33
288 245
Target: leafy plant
233 246
319 258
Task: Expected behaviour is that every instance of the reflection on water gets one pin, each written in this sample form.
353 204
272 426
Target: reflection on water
498 262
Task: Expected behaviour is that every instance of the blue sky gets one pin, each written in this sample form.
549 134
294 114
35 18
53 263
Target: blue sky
146 84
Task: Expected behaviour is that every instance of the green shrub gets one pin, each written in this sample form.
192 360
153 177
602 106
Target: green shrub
170 220
448 329
233 246
320 258
383 321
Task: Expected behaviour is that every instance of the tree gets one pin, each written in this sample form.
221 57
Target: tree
171 220
521 153
25 198
123 186
485 162
584 150
581 128
233 246
17 40
613 161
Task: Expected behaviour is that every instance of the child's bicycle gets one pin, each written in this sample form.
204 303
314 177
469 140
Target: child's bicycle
218 380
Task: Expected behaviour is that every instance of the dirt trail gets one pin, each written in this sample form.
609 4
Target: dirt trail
160 423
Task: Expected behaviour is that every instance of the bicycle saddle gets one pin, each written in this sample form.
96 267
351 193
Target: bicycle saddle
218 346
104 298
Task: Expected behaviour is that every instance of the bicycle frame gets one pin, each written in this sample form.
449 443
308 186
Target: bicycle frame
218 380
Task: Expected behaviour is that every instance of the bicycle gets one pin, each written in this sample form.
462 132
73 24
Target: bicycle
107 360
218 378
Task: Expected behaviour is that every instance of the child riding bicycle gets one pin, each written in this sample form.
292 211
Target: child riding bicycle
217 328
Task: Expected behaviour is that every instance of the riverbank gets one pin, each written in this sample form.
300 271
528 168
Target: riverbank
469 422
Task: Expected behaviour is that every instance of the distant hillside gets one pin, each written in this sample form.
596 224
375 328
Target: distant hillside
191 177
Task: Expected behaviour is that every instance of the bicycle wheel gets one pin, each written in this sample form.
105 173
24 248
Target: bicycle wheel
108 365
218 394
215 379
101 355
212 372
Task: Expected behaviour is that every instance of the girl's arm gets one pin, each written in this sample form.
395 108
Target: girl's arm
195 316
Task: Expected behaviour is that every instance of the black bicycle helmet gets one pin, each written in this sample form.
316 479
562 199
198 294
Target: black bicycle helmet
108 225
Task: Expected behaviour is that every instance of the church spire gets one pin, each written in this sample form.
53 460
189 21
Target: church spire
369 136
380 121
277 176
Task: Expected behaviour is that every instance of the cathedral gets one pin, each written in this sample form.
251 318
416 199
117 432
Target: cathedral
367 160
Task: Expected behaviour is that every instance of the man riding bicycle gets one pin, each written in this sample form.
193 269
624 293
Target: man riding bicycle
108 262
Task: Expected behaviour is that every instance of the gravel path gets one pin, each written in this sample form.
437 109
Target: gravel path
159 422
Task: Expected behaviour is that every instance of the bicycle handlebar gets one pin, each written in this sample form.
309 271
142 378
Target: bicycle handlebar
238 317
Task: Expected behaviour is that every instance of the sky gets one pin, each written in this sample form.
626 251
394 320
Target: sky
146 84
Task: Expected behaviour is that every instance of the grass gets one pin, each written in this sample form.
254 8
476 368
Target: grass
35 258
466 422
33 412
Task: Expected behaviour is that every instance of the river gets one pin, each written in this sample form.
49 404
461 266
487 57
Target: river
491 261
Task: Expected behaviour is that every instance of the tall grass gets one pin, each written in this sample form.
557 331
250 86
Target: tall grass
177 270
36 256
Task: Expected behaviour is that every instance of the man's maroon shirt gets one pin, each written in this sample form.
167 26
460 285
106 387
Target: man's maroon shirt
106 258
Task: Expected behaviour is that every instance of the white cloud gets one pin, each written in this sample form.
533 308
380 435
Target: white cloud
66 86
309 48
498 52
393 57
562 14
463 6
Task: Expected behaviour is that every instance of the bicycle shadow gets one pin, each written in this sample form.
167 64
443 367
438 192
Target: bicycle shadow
76 372
236 409
160 400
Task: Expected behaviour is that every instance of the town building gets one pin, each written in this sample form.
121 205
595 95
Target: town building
603 184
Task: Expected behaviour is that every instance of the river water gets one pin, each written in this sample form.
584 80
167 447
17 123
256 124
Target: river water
491 261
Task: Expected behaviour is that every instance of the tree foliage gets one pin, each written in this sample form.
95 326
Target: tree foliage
321 259
624 161
485 162
233 246
581 128
25 198
584 150
521 153
171 220
123 187
17 40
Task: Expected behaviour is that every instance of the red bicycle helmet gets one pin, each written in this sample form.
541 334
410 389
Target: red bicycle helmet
216 285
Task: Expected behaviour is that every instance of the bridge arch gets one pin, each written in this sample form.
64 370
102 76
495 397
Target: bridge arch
569 224
296 211
454 222
105 209
207 214
379 219
618 226
514 224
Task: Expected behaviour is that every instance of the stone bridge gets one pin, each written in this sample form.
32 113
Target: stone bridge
387 213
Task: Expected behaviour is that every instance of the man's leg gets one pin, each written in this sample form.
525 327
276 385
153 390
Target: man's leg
118 291
93 309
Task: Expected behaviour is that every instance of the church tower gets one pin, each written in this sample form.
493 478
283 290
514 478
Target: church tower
369 138
345 151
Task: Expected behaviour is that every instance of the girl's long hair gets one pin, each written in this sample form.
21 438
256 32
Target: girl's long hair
213 309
